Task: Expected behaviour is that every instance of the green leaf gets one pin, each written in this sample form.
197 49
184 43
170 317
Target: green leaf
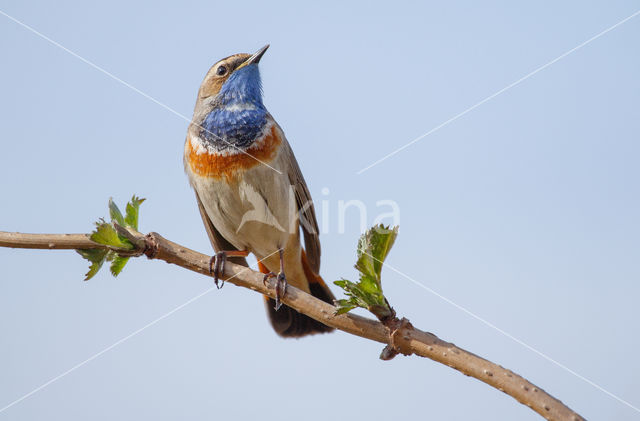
342 283
106 234
369 285
118 264
381 243
373 248
96 257
115 213
133 207
344 306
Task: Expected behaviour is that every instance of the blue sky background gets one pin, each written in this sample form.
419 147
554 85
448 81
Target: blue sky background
524 211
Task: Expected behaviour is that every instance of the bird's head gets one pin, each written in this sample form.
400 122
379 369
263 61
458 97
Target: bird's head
234 80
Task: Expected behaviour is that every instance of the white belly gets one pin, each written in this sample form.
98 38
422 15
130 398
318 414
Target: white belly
255 212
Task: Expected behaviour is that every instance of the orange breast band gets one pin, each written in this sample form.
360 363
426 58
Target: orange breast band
206 164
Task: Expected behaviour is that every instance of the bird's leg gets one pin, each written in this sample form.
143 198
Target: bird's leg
218 261
281 281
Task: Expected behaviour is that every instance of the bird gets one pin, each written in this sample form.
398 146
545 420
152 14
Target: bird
250 191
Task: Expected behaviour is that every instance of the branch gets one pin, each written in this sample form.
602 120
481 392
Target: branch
399 335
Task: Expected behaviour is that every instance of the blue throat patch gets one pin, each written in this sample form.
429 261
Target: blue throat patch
239 116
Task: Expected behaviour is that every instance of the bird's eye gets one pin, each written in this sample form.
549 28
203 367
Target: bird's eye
222 70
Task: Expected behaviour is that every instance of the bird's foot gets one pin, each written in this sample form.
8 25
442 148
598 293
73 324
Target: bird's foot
281 289
268 276
216 267
218 261
281 286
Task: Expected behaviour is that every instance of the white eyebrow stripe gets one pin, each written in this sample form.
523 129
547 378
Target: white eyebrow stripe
240 107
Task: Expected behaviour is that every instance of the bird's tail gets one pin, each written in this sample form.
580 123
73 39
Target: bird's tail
288 322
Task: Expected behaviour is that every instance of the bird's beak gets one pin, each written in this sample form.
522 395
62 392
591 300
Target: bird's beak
256 57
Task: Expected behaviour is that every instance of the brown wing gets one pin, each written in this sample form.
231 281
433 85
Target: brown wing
306 210
218 242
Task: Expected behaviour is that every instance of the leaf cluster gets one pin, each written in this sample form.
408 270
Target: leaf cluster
373 248
106 234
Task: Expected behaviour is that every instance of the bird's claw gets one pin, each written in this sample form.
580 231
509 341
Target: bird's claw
281 289
281 286
216 267
268 276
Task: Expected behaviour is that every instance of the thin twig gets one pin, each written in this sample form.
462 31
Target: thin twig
399 336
